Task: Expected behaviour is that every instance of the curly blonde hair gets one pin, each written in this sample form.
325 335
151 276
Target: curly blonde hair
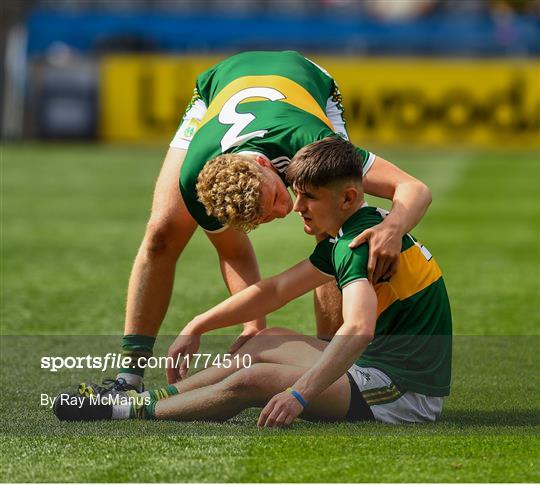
230 187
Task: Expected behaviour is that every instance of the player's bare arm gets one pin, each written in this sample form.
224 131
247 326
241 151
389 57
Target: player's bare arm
359 317
251 303
410 200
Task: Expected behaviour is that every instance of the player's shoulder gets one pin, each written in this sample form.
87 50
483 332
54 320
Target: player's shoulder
199 153
362 219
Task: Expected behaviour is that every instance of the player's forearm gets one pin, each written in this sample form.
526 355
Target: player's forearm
252 303
410 197
335 361
260 299
410 202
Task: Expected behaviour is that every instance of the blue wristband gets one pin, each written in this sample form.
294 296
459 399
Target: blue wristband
298 397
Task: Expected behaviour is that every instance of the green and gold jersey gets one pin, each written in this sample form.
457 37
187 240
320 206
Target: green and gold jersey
272 103
413 333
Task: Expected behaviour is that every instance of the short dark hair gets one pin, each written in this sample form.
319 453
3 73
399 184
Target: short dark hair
326 161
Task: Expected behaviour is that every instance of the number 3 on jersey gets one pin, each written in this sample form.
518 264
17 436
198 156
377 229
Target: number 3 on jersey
229 116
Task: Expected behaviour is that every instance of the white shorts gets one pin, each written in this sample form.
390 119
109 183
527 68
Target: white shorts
388 404
190 123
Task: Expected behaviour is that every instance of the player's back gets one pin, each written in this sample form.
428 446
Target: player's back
270 69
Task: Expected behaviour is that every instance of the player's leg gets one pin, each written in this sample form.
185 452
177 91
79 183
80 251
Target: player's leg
327 304
240 389
272 345
328 310
150 285
327 298
279 345
252 387
169 229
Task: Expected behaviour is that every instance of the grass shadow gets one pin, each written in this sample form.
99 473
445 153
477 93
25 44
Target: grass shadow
492 418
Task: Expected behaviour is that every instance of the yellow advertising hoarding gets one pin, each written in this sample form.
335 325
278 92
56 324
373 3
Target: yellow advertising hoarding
484 103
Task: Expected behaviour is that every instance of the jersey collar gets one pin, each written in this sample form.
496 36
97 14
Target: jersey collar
280 164
251 152
341 229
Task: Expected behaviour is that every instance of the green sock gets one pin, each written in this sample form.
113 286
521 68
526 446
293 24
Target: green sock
163 392
136 349
138 410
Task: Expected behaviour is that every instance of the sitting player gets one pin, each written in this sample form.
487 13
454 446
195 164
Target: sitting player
389 361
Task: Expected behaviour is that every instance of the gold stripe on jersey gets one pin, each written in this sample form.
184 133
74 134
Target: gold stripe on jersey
385 296
415 273
294 94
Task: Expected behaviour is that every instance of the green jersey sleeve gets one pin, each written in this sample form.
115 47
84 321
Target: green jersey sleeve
367 159
321 257
196 157
350 264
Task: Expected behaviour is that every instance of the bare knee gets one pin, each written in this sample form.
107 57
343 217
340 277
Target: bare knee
264 340
275 331
164 237
246 380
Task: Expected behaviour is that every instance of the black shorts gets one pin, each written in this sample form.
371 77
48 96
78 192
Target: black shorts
358 408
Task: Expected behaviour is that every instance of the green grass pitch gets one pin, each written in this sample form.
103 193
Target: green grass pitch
72 218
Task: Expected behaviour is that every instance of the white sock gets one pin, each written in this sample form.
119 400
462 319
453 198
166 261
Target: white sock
132 379
121 411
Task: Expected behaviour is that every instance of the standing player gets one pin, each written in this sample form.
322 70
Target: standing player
263 106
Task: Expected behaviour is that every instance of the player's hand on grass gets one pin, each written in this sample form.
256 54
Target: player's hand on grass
180 351
384 248
247 333
280 411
